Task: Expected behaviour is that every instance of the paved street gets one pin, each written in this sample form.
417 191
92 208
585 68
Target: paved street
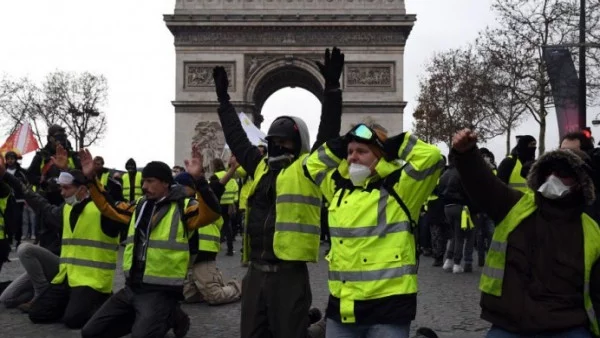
447 303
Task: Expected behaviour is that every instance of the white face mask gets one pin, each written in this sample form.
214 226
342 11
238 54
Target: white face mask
359 173
554 188
72 200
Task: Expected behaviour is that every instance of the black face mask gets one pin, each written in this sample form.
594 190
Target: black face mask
527 154
279 157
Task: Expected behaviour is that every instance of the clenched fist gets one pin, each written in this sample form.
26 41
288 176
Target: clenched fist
464 140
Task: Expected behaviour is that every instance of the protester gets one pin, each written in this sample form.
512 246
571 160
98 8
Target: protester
157 251
23 228
457 211
283 210
373 202
205 281
227 205
513 169
541 275
88 254
132 182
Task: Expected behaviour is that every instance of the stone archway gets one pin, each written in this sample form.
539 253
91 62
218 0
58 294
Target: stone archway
266 45
277 73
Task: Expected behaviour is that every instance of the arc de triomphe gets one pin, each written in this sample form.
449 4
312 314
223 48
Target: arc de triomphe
266 45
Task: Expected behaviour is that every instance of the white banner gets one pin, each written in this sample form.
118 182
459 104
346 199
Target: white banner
255 135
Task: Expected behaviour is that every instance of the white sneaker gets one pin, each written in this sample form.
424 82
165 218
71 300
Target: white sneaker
448 264
457 268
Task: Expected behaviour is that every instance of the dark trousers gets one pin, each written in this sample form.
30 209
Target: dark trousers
424 234
226 230
439 238
462 239
72 306
147 314
276 304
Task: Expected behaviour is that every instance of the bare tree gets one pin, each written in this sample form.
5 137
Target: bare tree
79 98
527 26
504 64
449 97
72 100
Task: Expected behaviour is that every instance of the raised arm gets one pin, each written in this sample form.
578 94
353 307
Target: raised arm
321 164
421 172
52 214
247 154
493 196
205 209
117 211
331 109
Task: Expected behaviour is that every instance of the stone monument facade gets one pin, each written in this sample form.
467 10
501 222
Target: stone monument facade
266 45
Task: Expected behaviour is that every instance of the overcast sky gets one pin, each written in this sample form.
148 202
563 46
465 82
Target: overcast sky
128 42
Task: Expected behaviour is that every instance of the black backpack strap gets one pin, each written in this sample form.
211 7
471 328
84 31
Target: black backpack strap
388 185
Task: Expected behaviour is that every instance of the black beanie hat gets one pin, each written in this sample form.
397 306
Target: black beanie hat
158 170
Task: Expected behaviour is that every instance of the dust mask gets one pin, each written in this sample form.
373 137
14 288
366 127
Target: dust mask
72 200
359 173
554 188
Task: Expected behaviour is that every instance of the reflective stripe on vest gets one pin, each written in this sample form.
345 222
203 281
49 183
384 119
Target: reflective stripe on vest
466 222
297 213
516 181
209 237
492 277
372 249
167 253
137 189
231 189
88 257
3 203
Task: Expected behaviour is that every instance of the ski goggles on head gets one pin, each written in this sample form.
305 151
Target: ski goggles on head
365 134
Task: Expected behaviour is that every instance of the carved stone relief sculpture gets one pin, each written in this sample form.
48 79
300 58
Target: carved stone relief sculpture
369 76
209 140
198 75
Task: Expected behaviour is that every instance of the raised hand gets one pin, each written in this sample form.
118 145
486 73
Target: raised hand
221 83
233 163
87 163
464 140
61 158
194 166
332 68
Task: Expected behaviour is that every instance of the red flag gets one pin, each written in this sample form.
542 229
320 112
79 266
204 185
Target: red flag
21 141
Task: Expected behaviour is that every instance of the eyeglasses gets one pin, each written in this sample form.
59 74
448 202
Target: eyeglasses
364 133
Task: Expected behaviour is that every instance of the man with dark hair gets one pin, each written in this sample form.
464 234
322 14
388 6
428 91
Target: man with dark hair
157 252
582 140
577 140
112 186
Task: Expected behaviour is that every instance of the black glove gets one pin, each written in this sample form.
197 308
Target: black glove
221 83
332 69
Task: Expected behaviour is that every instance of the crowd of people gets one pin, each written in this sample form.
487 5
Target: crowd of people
379 200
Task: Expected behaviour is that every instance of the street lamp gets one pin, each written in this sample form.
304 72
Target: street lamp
582 70
596 120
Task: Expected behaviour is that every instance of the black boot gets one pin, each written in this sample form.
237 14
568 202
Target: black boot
439 261
181 322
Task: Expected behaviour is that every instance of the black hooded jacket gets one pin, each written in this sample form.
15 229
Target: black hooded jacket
261 217
543 282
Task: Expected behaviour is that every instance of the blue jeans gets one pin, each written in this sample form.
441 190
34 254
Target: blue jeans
580 332
339 330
